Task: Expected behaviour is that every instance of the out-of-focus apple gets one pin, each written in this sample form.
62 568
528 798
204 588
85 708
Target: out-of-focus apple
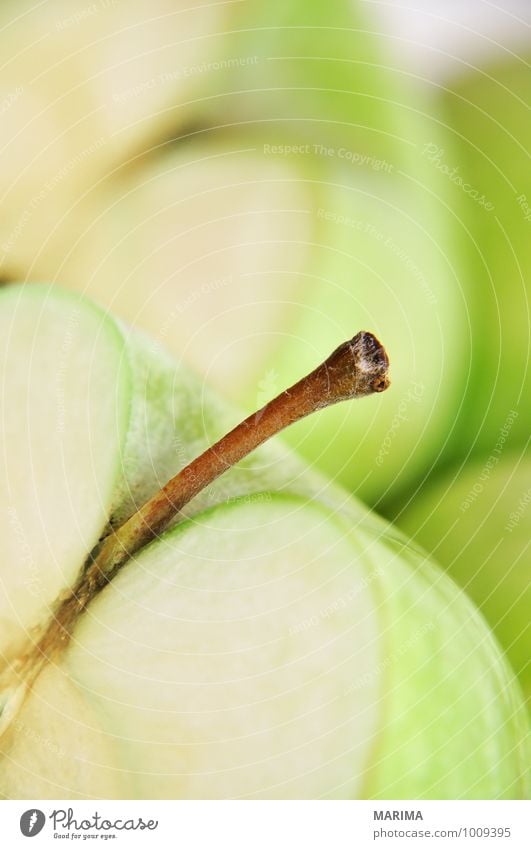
488 112
247 256
291 227
477 524
83 88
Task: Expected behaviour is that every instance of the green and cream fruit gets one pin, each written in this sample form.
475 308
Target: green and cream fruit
489 115
82 92
477 524
278 195
264 252
278 641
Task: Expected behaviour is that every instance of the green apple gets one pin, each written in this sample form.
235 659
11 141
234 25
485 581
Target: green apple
227 231
82 91
95 426
311 211
278 641
322 72
264 251
477 523
489 115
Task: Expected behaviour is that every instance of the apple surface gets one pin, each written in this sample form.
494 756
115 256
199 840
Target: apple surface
279 641
90 416
321 73
488 111
477 523
265 250
82 91
289 200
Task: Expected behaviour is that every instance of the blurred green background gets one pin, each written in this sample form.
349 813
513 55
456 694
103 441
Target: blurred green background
254 182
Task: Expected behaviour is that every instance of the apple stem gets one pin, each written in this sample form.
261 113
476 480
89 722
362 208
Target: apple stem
356 369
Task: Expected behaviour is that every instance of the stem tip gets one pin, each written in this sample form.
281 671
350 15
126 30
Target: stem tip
357 368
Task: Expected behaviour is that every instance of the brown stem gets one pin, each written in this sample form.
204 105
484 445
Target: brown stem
355 369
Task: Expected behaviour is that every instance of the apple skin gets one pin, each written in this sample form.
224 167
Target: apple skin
476 522
96 422
430 683
385 267
407 648
80 94
325 81
317 279
421 642
316 72
489 118
263 259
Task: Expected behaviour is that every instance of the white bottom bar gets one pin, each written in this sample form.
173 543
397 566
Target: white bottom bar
267 825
